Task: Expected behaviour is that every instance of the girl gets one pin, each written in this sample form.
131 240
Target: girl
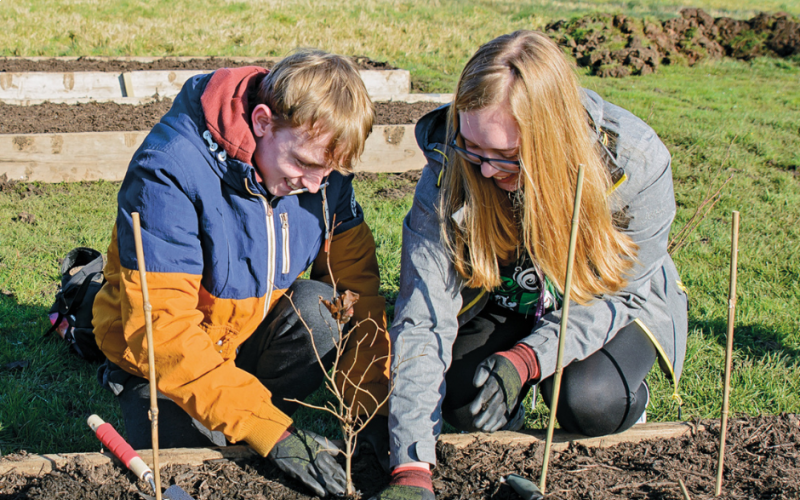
485 253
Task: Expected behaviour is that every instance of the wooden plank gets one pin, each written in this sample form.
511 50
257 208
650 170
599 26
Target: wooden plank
53 85
386 84
562 440
86 156
42 464
412 98
99 85
163 83
93 156
34 465
127 85
408 98
391 148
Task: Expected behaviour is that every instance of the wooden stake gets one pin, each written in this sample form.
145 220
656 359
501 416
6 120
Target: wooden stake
576 210
151 362
684 490
728 350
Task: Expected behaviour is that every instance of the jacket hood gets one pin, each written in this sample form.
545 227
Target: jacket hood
227 111
431 134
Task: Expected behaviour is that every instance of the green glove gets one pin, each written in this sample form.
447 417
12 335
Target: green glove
307 457
500 384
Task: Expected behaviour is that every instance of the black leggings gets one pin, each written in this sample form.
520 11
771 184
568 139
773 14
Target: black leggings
602 394
279 354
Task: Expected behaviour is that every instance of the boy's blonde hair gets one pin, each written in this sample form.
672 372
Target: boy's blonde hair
529 73
325 93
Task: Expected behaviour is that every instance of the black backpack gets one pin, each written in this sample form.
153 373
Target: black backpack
71 314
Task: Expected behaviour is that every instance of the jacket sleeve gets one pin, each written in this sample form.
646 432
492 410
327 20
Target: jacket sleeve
649 203
192 369
423 332
363 371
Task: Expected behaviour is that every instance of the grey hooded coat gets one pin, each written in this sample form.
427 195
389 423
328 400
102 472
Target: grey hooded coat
433 300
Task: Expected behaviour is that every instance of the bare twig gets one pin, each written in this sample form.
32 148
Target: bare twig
350 412
728 350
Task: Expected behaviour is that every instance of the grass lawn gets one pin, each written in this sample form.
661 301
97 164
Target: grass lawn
717 118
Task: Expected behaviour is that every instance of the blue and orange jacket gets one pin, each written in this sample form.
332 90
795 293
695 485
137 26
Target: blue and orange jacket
219 252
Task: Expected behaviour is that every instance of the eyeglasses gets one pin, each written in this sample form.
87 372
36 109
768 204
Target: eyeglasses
507 166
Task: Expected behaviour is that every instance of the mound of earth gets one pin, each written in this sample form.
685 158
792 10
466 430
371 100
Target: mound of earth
762 460
16 65
615 46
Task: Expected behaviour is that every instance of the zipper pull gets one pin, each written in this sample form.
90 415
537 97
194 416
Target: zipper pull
285 221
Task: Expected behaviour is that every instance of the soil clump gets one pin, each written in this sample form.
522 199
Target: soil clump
57 118
16 65
618 45
762 461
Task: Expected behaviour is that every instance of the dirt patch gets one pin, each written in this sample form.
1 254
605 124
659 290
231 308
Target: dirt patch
23 189
399 184
52 118
16 65
615 46
762 461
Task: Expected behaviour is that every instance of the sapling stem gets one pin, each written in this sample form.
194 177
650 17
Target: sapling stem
151 362
726 389
576 210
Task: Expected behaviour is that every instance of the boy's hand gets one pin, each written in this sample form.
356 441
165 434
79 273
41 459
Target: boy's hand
307 457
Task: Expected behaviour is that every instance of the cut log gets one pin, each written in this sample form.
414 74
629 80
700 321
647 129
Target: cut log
43 464
102 86
92 156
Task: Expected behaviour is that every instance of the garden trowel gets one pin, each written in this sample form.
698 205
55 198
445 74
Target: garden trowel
524 487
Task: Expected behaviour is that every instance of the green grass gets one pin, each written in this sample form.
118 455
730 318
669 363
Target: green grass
432 39
717 118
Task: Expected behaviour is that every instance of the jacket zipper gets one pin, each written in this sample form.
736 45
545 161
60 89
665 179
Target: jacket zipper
285 233
271 248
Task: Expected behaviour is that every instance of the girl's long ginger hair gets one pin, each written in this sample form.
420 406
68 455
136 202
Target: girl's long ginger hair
527 72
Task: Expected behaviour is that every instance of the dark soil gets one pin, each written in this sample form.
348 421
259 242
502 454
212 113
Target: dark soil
618 45
762 462
16 65
51 118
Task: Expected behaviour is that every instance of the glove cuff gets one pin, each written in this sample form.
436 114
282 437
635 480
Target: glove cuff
412 476
288 432
525 361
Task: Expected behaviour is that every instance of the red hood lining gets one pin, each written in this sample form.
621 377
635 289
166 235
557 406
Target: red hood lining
227 111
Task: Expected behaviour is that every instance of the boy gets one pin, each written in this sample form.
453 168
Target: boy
237 187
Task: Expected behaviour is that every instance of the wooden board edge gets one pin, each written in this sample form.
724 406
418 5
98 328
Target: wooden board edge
399 98
562 440
43 464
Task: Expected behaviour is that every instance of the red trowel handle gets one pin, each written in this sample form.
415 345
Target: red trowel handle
118 446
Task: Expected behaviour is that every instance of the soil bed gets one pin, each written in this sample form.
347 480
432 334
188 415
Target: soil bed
762 462
52 118
17 65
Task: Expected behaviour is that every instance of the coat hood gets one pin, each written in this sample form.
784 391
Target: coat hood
227 111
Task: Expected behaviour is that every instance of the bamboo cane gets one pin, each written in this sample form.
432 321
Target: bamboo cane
728 349
684 491
563 329
148 324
